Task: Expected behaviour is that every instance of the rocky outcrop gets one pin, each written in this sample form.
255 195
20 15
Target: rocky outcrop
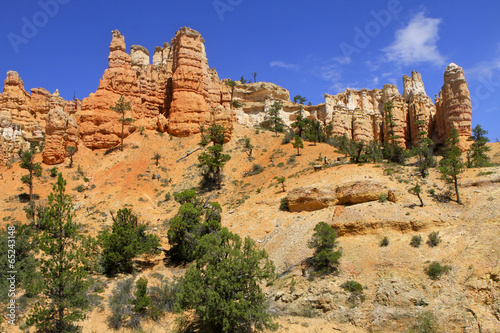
18 123
196 89
316 197
356 114
61 132
309 198
453 107
141 84
257 98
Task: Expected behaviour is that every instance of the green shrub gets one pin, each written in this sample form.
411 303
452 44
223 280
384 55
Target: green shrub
126 240
352 286
284 205
185 196
141 301
168 196
256 169
119 303
382 197
163 296
323 241
53 172
426 323
416 241
435 270
434 239
288 137
80 188
384 241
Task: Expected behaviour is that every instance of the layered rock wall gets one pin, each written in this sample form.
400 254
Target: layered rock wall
453 107
179 93
61 132
196 89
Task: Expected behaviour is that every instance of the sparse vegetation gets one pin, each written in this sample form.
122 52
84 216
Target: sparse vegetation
434 239
53 172
284 205
71 150
425 323
384 241
256 169
416 241
382 198
281 181
435 270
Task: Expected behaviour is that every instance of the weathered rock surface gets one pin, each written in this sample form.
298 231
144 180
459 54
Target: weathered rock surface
179 93
196 89
309 198
454 107
61 132
18 121
317 197
358 191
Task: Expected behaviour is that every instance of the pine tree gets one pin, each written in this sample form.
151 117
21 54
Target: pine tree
223 287
299 99
67 257
141 301
156 157
300 122
417 190
423 151
71 151
476 155
193 220
281 181
297 144
314 131
35 170
248 147
214 160
232 84
122 106
324 241
451 164
126 240
275 118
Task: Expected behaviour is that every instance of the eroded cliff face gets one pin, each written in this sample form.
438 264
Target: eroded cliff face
360 114
179 93
61 132
453 107
197 91
22 116
141 84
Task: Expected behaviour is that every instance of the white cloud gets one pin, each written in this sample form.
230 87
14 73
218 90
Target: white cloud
282 64
484 69
416 42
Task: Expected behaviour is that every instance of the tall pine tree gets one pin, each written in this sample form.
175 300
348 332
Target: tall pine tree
451 164
67 257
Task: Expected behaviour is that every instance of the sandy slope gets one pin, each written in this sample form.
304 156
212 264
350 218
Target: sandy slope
251 207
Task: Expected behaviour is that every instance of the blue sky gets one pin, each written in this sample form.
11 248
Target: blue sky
309 48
